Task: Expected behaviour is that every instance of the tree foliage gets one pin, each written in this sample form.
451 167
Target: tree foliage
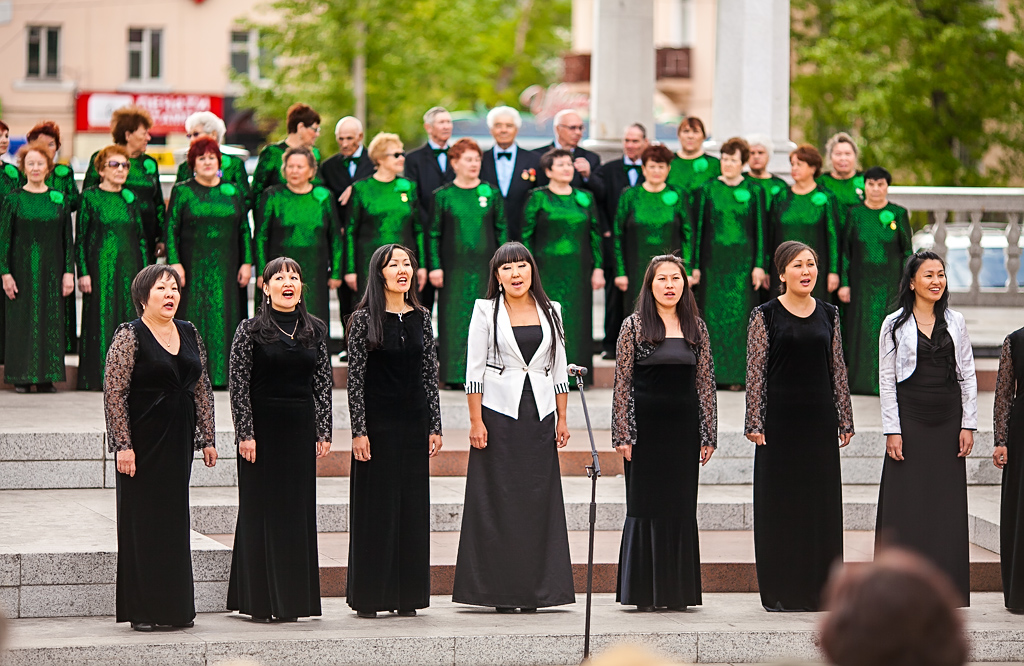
419 53
932 88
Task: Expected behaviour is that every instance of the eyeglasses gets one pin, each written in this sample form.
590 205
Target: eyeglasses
397 155
114 164
315 128
574 128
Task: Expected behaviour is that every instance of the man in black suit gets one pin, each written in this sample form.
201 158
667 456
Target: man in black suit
615 177
508 167
428 167
352 163
568 132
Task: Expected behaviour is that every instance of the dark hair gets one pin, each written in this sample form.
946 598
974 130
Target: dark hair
906 297
463 146
34 147
809 155
202 146
737 145
126 120
652 328
374 300
301 113
878 173
694 123
899 610
511 253
47 127
787 252
144 281
657 153
4 127
547 160
309 330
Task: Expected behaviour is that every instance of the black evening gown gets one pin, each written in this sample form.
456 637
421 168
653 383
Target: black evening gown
393 400
797 396
281 397
922 500
1009 432
154 401
514 546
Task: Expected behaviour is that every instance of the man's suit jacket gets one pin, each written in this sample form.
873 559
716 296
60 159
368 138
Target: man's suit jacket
528 164
614 180
335 176
422 168
593 183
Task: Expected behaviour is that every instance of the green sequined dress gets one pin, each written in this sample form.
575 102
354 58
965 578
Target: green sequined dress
208 234
380 213
849 192
144 182
37 249
232 170
688 175
559 229
10 179
876 245
648 224
728 246
811 218
268 169
110 248
304 227
773 186
469 225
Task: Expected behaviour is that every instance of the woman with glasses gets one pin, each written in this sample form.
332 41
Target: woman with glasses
303 131
232 167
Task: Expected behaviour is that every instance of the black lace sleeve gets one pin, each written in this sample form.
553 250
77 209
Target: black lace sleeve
757 370
623 414
239 378
323 399
206 430
840 385
706 394
430 375
357 372
1006 386
116 387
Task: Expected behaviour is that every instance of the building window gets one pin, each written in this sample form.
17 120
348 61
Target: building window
43 52
145 54
249 56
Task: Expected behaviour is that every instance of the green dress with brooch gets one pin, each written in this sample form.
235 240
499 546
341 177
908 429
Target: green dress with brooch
380 213
144 182
268 169
10 179
813 219
232 170
773 186
688 175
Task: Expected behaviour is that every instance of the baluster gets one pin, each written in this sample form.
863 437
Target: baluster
939 233
1012 252
975 252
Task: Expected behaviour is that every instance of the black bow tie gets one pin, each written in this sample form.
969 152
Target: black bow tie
505 155
349 161
438 151
631 167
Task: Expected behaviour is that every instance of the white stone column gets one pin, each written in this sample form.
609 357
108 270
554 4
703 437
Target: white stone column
621 72
752 62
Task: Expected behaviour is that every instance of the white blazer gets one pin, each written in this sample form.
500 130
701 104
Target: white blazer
896 364
499 374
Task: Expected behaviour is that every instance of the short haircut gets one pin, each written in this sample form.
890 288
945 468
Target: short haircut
838 138
208 122
432 113
737 145
809 155
501 112
126 120
761 140
786 253
560 116
298 150
638 126
202 146
380 145
47 127
878 173
547 160
144 281
301 113
36 146
694 123
462 146
103 156
348 119
657 153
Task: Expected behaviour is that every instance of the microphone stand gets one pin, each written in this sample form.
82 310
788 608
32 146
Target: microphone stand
593 471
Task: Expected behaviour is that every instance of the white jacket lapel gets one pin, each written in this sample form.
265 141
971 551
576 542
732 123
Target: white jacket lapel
508 335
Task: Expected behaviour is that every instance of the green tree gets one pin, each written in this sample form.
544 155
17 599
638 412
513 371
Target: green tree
931 87
419 53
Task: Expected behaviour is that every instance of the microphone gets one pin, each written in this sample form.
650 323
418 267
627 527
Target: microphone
576 370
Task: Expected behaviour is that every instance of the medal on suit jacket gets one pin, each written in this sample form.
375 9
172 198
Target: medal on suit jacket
529 174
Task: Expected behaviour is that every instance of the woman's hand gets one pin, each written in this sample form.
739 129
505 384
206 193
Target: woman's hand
10 286
695 276
209 456
244 275
126 462
85 284
833 282
435 445
477 435
597 279
756 277
999 456
561 432
756 438
626 450
322 449
421 278
333 284
844 294
766 283
67 284
437 278
894 446
259 281
966 443
705 454
622 283
343 199
361 448
352 281
181 272
247 449
844 438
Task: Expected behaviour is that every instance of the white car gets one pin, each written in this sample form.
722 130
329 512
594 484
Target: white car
958 271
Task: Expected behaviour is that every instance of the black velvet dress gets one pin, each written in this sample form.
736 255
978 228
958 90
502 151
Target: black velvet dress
798 397
281 397
1008 425
393 400
922 500
160 405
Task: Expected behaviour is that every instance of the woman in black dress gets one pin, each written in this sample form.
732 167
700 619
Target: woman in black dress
280 383
665 406
396 428
798 403
1008 423
159 407
514 547
929 396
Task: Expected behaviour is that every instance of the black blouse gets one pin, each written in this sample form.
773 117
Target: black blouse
1008 381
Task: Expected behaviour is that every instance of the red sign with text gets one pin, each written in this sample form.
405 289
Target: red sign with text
169 110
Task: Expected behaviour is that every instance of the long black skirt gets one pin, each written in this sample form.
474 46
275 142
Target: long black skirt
1011 518
514 547
659 559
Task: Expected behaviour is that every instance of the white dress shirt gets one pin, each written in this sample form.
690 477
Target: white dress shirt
505 168
442 158
633 174
355 162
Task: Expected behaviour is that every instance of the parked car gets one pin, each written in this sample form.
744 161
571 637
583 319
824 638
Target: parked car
958 270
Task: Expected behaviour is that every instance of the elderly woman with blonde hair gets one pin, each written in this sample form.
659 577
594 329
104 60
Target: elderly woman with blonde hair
383 209
232 167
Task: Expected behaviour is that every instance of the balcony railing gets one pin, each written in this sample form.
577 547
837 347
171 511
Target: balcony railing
669 63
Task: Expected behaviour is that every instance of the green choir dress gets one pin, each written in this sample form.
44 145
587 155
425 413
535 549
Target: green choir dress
848 192
110 248
876 244
648 224
232 170
559 229
208 234
688 175
37 249
811 218
469 225
10 179
144 182
304 227
773 186
268 169
729 245
380 213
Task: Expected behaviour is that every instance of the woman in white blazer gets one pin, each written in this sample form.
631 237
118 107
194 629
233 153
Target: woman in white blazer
929 396
514 546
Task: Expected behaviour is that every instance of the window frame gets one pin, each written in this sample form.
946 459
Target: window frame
45 32
145 50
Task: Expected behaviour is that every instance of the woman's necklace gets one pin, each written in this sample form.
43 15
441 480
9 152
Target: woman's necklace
167 342
291 336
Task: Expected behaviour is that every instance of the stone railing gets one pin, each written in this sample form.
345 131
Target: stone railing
970 211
